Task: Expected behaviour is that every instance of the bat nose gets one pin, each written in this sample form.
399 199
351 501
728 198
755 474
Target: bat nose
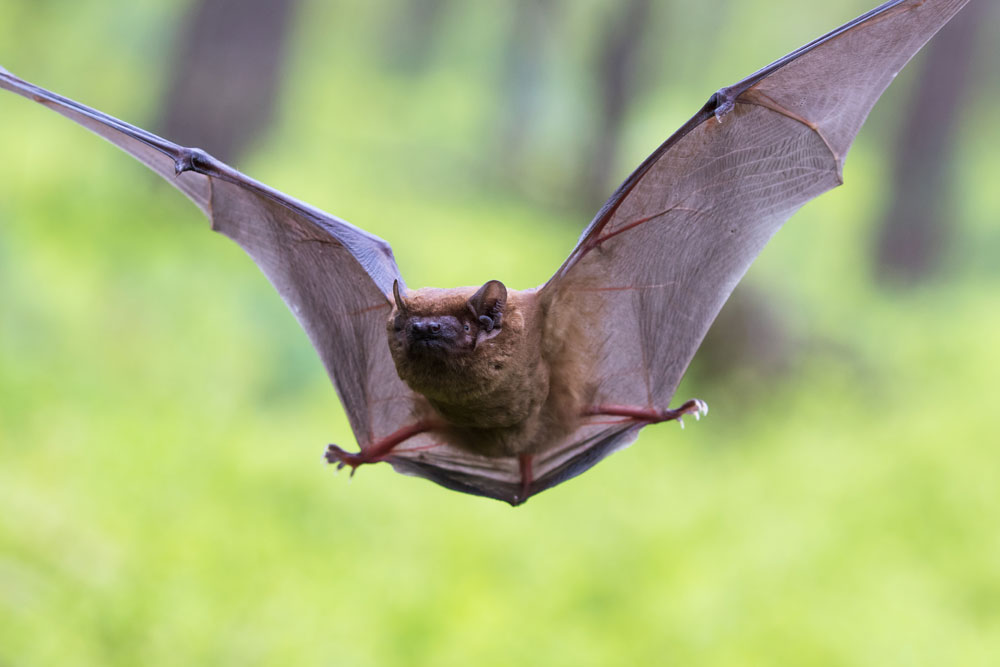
426 328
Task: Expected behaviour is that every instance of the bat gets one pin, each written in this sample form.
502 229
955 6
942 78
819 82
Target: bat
505 393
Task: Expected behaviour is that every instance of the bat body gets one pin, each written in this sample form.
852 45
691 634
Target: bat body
480 368
502 373
506 393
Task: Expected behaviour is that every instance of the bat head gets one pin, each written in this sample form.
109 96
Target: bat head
459 345
446 325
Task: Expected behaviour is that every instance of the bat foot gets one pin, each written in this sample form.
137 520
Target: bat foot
377 451
340 457
695 407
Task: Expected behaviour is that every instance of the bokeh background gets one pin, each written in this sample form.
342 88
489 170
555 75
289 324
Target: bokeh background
162 417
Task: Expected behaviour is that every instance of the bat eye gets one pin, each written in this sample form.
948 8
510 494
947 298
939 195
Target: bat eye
467 327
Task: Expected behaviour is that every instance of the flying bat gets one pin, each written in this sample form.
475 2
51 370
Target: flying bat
506 393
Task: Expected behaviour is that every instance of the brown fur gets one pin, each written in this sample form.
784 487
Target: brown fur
518 392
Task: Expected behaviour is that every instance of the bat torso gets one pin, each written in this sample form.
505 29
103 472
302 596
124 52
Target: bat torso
517 391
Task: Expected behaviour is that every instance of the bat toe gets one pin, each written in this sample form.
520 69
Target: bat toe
335 454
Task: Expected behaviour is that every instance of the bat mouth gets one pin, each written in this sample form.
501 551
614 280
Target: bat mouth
434 346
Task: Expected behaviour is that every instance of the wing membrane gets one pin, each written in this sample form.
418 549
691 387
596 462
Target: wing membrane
664 253
336 278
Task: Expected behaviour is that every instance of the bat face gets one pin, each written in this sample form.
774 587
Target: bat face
437 336
443 330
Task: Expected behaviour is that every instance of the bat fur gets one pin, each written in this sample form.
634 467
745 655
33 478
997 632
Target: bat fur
512 390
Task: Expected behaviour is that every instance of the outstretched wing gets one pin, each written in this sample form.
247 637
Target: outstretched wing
336 279
666 250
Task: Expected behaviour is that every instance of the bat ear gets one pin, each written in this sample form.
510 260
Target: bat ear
400 304
488 303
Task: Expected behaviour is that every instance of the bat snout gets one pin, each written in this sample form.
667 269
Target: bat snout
438 334
424 329
429 333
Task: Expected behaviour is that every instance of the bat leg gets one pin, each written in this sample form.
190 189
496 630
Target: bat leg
527 476
695 407
378 450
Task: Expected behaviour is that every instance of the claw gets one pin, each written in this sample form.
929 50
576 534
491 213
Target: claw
335 454
696 407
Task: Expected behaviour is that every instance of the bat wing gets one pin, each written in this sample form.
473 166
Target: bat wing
336 279
666 250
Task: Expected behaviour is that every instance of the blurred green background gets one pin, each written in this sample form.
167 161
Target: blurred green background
162 417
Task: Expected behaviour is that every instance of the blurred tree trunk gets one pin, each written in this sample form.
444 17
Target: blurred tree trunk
913 234
524 55
225 73
748 340
412 33
617 70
